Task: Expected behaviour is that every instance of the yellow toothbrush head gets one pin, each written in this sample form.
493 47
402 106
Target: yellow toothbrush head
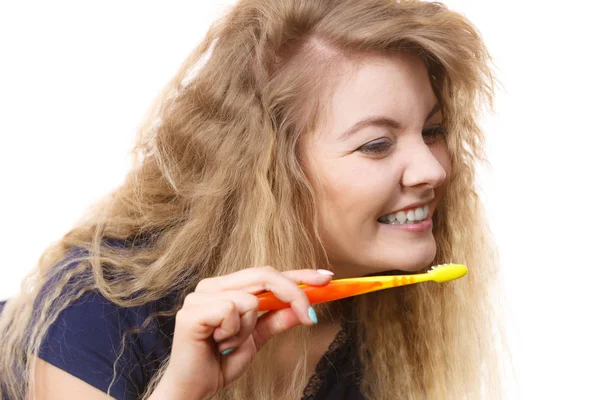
447 272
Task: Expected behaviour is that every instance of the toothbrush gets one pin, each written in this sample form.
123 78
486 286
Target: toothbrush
342 288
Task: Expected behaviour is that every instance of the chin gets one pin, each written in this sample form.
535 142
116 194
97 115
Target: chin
398 267
414 262
388 261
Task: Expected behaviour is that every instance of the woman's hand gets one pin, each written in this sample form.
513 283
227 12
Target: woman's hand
218 333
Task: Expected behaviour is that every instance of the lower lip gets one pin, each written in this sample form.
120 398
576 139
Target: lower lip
422 226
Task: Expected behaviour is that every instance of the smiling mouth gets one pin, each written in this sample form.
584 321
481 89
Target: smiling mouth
406 217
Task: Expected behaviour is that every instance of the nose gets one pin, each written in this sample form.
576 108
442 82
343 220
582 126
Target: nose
422 168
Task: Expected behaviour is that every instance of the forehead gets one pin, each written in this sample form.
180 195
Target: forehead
394 85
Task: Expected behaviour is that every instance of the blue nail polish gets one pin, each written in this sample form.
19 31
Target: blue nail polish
225 352
312 315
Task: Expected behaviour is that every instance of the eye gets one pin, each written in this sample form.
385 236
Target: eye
431 134
376 147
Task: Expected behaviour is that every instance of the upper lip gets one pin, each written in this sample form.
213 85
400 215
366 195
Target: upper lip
410 206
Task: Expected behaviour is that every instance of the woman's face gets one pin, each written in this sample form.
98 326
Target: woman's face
378 154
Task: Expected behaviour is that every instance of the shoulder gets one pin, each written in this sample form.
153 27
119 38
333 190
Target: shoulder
105 345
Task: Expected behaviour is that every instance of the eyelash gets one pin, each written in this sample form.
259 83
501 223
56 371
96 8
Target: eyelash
437 130
378 147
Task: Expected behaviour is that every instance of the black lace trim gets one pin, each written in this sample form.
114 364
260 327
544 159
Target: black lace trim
326 361
344 338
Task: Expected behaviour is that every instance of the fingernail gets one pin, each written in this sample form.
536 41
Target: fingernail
312 315
325 272
225 352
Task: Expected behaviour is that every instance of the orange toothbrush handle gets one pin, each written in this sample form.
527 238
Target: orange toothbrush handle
319 294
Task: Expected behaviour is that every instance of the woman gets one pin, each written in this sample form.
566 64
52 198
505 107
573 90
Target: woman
300 139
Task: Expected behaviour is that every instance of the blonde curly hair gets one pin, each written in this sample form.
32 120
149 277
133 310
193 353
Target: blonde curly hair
217 186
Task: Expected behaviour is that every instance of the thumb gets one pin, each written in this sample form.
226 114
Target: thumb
274 323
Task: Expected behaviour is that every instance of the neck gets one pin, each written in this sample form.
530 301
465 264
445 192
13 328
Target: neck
321 337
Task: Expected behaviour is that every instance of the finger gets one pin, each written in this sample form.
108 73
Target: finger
201 322
313 277
247 326
256 280
235 363
274 323
245 304
243 301
230 326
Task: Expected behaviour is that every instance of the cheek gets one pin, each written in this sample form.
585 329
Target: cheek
352 193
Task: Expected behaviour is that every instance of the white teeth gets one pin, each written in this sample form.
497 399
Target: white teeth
419 214
401 217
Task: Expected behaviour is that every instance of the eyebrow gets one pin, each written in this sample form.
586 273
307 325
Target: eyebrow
381 121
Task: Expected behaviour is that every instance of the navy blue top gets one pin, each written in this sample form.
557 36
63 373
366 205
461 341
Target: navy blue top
85 340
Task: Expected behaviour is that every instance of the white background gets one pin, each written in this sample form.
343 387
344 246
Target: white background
77 77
